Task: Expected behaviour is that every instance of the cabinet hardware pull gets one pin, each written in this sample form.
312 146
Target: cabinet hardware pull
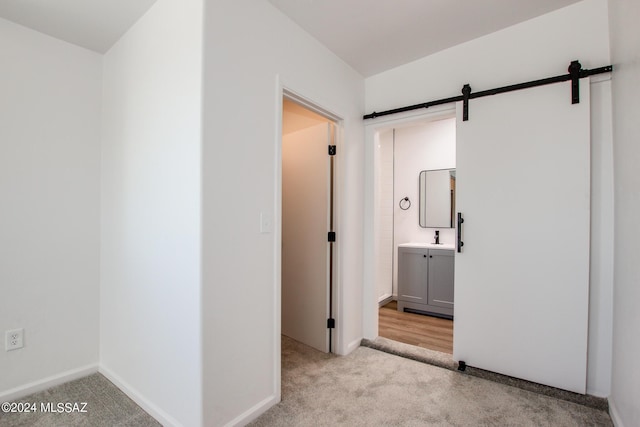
460 242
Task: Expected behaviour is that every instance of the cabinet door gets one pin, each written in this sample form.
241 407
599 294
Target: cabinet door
412 275
441 278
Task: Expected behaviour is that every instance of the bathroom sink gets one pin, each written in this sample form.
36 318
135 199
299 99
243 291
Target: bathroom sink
428 245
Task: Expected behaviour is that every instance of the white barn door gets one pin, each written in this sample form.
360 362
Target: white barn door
522 277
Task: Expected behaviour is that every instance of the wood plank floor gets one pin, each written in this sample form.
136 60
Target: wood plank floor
415 329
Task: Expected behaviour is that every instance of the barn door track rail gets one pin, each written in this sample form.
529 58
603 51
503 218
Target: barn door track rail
576 72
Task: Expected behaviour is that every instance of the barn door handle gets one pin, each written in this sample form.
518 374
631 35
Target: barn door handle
460 242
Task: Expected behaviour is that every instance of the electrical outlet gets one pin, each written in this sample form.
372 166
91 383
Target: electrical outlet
14 339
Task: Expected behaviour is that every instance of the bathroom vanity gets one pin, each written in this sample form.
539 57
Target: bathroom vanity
425 278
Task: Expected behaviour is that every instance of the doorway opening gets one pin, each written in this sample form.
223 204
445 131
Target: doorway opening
414 203
308 226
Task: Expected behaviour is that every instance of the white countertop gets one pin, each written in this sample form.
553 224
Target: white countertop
447 246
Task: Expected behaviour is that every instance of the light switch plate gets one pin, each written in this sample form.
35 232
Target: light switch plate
266 222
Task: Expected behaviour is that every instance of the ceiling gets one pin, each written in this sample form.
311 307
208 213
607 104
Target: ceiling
376 35
93 24
370 35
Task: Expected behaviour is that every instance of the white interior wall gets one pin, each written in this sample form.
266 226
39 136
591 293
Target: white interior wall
540 47
384 212
150 232
537 48
625 50
49 204
426 146
252 51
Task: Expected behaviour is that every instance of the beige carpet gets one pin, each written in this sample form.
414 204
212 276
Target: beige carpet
373 388
444 360
106 406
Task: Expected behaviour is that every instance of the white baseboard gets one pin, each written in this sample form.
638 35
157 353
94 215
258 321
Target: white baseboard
596 393
614 414
385 299
253 412
161 416
48 382
353 345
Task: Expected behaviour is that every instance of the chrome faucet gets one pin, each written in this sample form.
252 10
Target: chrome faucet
437 237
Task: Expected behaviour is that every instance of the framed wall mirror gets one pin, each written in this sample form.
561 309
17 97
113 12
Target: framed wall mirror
437 190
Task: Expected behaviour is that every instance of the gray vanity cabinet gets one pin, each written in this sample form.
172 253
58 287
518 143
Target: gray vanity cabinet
440 283
425 280
412 275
